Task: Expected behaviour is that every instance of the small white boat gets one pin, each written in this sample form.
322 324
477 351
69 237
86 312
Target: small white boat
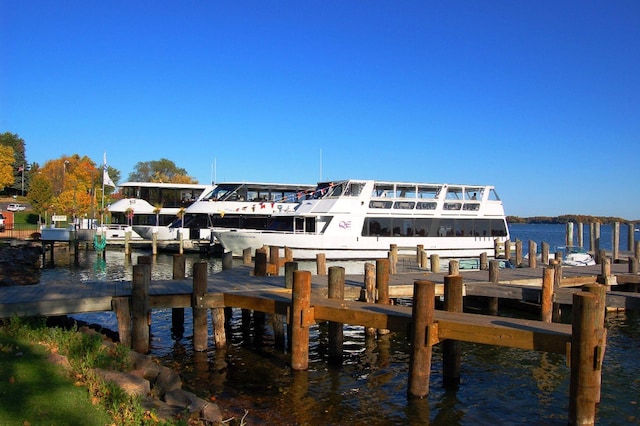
361 219
576 256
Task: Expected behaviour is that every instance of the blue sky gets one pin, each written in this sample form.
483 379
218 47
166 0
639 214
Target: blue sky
539 98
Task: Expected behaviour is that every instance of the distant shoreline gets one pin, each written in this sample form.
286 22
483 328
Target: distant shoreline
568 218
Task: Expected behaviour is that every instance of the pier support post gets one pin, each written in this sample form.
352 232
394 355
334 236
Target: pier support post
633 265
601 293
556 315
127 245
451 352
454 267
274 260
423 259
484 261
246 256
177 314
227 260
546 297
382 285
336 334
421 336
435 263
121 306
586 345
580 242
494 269
518 253
200 329
370 291
301 319
321 264
140 307
154 243
419 249
393 259
533 251
289 269
544 253
631 227
616 242
260 268
569 236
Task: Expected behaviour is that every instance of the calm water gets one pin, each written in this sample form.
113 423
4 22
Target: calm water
499 385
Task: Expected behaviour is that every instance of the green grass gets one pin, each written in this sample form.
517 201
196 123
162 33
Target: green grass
35 392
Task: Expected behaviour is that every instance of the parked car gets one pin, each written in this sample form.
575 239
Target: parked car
1 223
15 207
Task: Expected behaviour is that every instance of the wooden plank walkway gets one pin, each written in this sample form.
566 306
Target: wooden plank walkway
95 296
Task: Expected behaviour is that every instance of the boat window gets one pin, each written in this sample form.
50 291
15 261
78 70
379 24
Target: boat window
429 192
471 206
406 191
423 205
354 189
454 193
422 227
465 227
482 228
383 190
405 205
403 227
445 228
493 195
452 206
498 228
335 190
473 193
380 204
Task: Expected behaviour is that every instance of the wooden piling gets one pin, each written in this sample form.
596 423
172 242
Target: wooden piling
533 251
301 319
556 315
289 269
274 259
246 256
601 293
419 249
631 227
370 291
616 242
435 263
200 329
507 249
423 259
321 264
494 271
121 307
544 253
451 352
421 334
633 265
569 234
260 268
382 285
154 243
177 314
454 267
336 334
393 259
140 307
227 260
518 253
546 297
484 261
580 236
586 344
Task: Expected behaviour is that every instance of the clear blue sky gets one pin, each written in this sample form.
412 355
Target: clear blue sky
539 98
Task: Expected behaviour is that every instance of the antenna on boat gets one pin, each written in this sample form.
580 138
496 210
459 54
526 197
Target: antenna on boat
213 171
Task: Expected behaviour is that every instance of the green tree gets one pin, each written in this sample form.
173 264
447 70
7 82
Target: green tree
19 162
40 194
162 170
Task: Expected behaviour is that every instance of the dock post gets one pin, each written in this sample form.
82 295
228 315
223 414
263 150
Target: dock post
321 264
435 263
419 249
637 250
616 242
533 251
200 329
260 268
423 259
556 315
454 267
393 259
301 319
569 235
421 337
246 256
494 269
382 285
370 291
288 254
140 307
451 353
586 345
518 253
127 245
336 334
289 268
600 313
122 308
546 297
592 237
507 249
580 235
633 265
227 260
596 248
177 314
274 259
544 253
631 227
484 261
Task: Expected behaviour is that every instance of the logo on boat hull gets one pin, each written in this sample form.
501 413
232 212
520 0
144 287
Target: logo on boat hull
345 224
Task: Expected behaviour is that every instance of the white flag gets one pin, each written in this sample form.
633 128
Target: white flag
106 180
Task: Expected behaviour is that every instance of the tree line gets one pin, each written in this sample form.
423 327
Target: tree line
575 218
71 185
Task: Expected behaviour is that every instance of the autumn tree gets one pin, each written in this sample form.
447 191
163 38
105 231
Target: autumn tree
18 160
40 193
6 167
162 170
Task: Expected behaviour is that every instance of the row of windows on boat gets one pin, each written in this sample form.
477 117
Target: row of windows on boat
422 205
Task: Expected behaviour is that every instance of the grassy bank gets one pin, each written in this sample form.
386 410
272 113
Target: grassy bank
35 391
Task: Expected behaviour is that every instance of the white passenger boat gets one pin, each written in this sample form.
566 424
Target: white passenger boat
143 206
247 205
360 219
